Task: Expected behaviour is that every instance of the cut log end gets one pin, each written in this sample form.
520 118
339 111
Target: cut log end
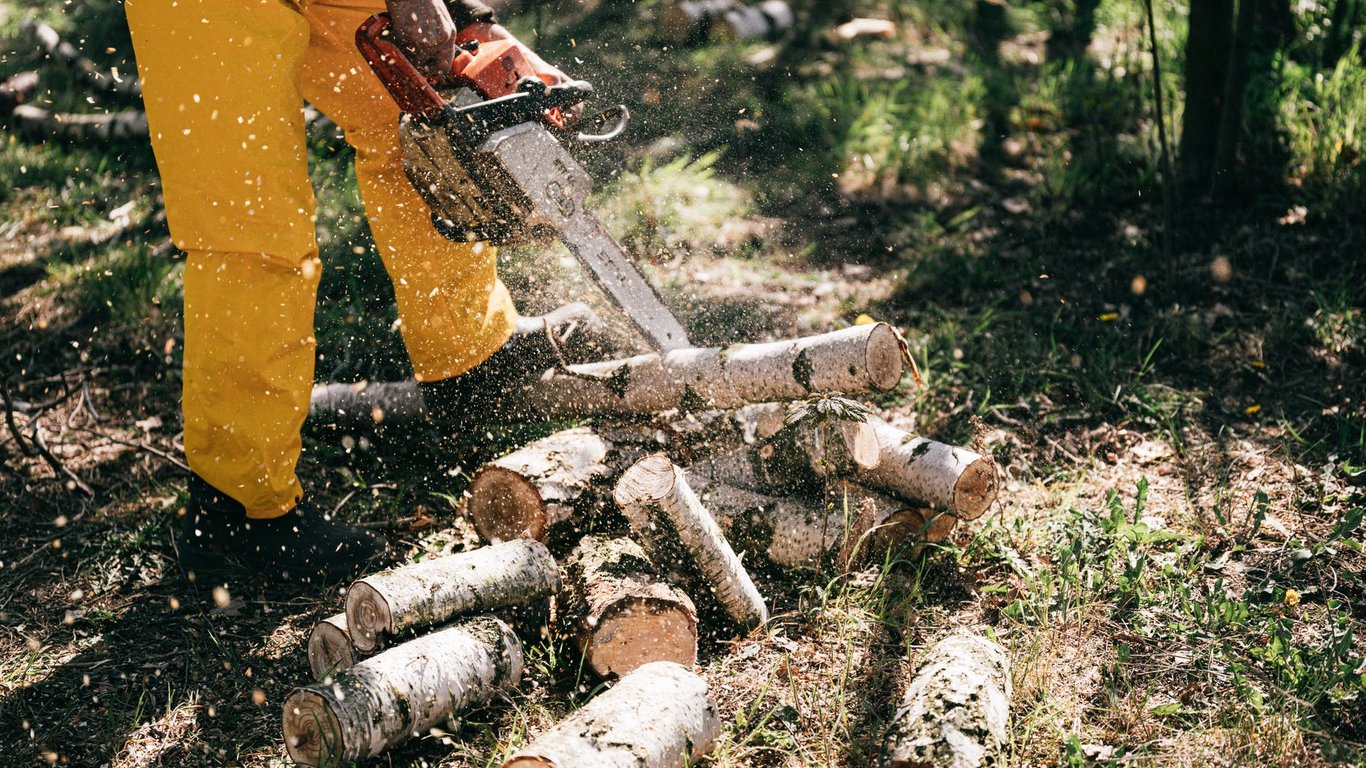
312 730
503 506
883 358
650 479
371 618
975 490
861 440
329 647
641 631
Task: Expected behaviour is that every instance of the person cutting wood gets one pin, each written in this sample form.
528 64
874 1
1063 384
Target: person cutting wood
224 85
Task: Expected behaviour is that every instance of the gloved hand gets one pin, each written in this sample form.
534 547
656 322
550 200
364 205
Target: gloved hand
426 33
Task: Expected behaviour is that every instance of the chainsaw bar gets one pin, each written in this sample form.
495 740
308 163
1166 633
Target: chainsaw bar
527 164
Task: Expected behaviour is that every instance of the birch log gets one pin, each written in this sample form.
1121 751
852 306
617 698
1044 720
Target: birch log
800 456
65 53
622 614
677 530
403 692
859 360
932 473
659 716
955 710
329 647
43 124
550 481
765 21
429 592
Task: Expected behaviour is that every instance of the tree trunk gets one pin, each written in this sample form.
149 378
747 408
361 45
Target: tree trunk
934 474
432 591
329 647
623 615
956 708
659 716
43 125
406 690
554 480
1230 135
799 457
680 533
690 20
858 360
1207 55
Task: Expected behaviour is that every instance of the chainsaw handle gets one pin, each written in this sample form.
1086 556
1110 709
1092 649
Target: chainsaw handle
623 117
410 89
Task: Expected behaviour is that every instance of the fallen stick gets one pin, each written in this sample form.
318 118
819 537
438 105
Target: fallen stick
65 53
659 716
799 456
956 708
43 124
550 481
677 530
329 647
621 613
429 592
381 701
932 473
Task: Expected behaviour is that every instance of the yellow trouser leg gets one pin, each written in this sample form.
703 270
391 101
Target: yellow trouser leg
454 311
221 90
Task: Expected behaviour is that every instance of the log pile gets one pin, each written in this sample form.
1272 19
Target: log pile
653 526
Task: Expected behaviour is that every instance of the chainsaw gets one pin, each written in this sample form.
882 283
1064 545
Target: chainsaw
492 163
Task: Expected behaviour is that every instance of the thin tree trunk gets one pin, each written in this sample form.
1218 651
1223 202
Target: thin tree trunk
1235 88
659 716
406 690
956 709
621 613
432 591
932 473
1207 54
329 647
680 533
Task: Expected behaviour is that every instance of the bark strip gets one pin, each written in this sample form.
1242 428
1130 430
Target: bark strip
659 716
432 591
955 710
800 457
408 689
329 647
669 518
621 613
932 473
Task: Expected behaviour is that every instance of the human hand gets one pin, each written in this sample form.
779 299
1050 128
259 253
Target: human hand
426 33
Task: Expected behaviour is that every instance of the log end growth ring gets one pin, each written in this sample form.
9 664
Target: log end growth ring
371 618
975 489
639 631
503 506
883 358
651 479
313 733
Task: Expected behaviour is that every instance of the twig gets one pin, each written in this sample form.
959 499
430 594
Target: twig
55 463
9 421
347 497
133 444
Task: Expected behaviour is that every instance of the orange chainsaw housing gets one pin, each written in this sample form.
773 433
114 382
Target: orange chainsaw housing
494 68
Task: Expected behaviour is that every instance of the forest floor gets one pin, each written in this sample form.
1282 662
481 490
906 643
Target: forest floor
1177 402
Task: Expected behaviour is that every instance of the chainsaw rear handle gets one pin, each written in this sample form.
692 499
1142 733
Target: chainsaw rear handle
410 89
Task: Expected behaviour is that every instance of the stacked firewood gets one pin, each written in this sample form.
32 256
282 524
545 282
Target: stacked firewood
632 527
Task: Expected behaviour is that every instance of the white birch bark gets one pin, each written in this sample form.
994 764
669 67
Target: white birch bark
110 126
329 647
932 473
956 709
800 456
431 591
621 613
659 716
405 691
677 530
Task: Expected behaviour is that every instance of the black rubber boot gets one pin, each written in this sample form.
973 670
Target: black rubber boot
305 544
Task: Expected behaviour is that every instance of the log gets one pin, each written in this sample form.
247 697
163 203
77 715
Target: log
43 124
797 532
766 21
690 20
659 716
432 591
621 613
550 481
676 529
329 647
932 473
801 456
863 27
955 710
16 90
402 692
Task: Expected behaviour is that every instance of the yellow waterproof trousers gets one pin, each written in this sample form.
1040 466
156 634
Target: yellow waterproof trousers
224 83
